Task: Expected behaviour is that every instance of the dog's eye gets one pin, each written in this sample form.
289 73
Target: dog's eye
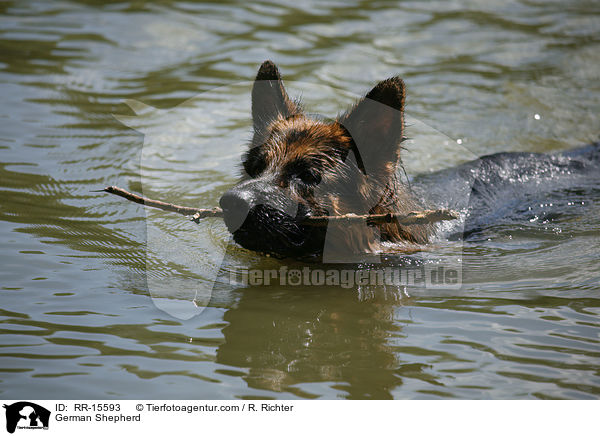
254 161
310 177
303 171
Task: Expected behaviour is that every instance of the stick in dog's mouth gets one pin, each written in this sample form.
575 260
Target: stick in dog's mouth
419 217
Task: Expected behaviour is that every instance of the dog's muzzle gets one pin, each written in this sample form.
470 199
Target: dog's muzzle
262 218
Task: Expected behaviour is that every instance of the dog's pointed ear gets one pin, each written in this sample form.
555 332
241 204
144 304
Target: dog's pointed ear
269 98
376 124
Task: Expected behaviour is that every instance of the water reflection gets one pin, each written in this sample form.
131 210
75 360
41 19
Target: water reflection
287 338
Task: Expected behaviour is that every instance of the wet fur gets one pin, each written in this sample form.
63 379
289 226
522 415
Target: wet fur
297 166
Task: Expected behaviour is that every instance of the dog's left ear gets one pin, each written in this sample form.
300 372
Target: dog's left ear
269 98
376 124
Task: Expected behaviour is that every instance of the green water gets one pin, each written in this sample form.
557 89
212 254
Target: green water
82 274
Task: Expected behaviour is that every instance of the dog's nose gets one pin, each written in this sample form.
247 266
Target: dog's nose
236 204
236 201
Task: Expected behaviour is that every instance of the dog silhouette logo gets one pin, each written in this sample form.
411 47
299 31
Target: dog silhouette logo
26 415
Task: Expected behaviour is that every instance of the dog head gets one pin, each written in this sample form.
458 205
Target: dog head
299 166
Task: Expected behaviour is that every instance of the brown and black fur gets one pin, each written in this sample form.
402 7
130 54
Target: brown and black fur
299 166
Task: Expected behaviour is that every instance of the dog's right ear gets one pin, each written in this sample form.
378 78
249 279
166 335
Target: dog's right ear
376 124
269 98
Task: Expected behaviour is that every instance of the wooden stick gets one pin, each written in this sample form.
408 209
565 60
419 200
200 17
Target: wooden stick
183 210
418 217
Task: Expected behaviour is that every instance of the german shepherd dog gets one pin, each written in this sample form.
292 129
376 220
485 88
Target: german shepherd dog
299 166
